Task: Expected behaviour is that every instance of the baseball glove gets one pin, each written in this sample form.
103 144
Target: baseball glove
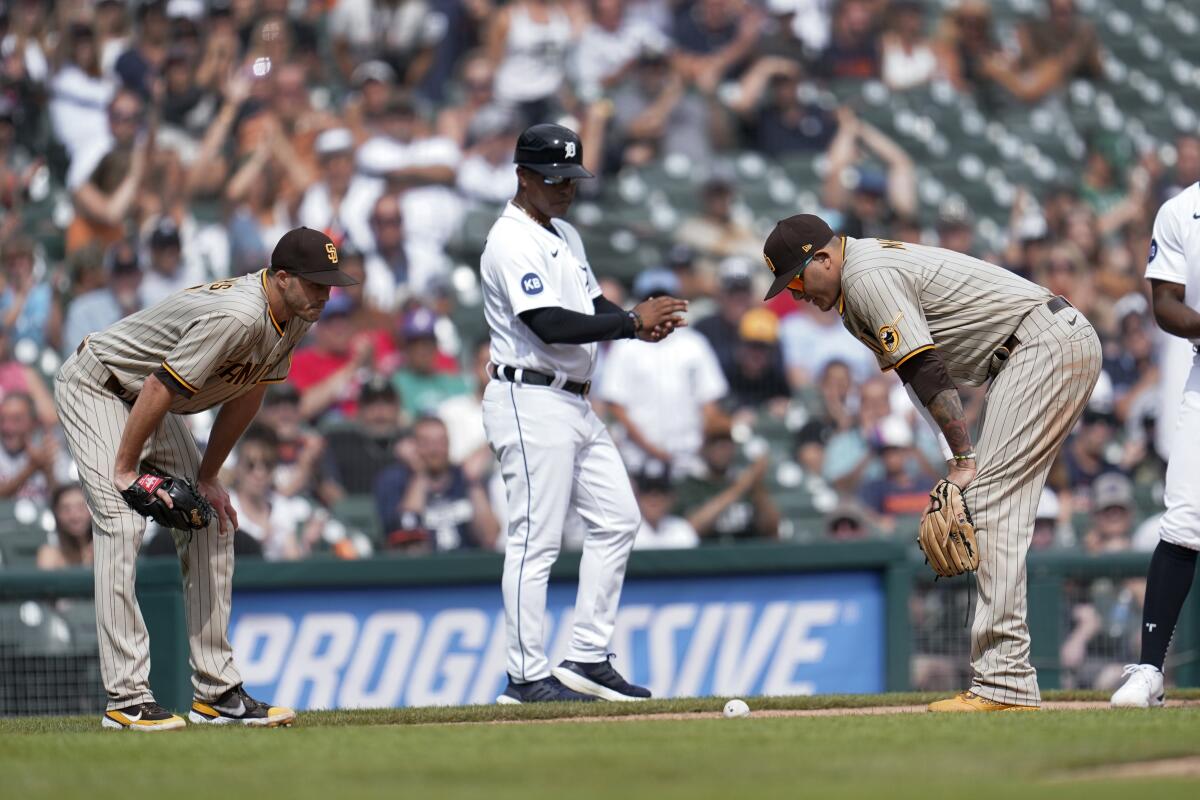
947 534
189 511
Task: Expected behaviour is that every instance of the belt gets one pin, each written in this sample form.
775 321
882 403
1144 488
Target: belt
112 384
1055 304
528 376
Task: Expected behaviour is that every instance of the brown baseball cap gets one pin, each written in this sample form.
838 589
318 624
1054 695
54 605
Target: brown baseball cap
311 255
791 245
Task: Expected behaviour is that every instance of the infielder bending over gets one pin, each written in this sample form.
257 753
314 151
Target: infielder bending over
546 313
1174 274
938 317
119 398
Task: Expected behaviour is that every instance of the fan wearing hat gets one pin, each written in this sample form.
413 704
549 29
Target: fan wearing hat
941 319
546 313
121 397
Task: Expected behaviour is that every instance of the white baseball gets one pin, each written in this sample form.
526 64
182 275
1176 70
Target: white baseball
736 708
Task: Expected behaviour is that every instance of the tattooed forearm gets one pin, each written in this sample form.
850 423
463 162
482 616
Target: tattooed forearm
947 411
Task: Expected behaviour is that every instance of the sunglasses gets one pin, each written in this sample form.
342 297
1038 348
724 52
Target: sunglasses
558 180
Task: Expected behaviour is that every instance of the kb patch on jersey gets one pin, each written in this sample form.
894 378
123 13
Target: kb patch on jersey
531 283
889 335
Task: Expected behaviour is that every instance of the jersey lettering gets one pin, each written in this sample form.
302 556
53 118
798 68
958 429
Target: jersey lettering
238 372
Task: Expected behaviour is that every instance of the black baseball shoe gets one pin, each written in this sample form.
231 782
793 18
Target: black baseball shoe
599 680
235 707
546 690
142 717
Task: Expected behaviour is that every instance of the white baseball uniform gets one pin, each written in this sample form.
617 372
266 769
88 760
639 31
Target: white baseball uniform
1175 257
554 452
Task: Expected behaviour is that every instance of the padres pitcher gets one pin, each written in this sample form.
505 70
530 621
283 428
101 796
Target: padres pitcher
119 398
939 318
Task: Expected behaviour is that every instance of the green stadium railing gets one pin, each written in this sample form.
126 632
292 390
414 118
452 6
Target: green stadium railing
161 595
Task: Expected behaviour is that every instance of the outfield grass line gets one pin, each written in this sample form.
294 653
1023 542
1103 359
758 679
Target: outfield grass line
1186 767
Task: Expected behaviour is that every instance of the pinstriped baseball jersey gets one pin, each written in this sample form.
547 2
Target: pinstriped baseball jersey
209 344
901 299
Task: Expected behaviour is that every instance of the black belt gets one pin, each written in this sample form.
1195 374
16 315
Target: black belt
112 384
505 373
1055 304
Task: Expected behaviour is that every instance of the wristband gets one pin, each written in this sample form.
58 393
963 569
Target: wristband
637 323
967 456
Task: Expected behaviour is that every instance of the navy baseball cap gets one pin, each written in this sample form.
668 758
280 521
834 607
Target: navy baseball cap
311 255
551 150
791 245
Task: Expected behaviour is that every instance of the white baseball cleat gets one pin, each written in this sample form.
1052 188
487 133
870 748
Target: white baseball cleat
1143 689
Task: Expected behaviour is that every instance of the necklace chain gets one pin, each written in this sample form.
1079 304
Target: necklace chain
531 216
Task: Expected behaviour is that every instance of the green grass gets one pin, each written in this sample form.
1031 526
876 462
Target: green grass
386 754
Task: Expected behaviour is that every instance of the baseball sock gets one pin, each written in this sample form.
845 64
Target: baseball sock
1170 577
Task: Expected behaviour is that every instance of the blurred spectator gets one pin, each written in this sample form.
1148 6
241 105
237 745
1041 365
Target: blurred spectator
809 455
955 232
1185 172
899 492
138 66
660 530
263 194
1053 50
286 527
463 415
27 303
848 456
768 99
871 202
733 301
299 449
168 273
417 165
1089 453
723 504
720 230
403 33
423 382
1050 528
716 37
79 92
968 42
326 203
846 523
70 543
909 58
358 452
31 462
653 113
329 371
96 310
609 47
853 50
17 377
427 503
758 380
665 396
1112 515
107 174
386 264
810 340
486 174
373 83
528 42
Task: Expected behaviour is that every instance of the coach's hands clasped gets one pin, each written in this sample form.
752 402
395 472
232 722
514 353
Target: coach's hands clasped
660 316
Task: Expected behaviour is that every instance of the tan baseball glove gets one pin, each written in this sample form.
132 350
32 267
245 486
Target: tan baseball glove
947 534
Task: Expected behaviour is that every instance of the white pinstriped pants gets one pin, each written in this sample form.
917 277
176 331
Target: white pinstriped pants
1032 404
555 454
93 419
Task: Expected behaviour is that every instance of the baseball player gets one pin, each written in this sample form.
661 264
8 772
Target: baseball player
120 397
939 318
546 313
1174 274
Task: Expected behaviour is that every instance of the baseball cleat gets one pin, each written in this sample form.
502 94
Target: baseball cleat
969 701
1144 689
546 690
599 680
235 707
142 717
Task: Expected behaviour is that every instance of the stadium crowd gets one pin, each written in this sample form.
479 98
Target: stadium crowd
151 145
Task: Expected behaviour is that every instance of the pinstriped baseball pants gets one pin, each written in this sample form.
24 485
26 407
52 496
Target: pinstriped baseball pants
93 419
1031 406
